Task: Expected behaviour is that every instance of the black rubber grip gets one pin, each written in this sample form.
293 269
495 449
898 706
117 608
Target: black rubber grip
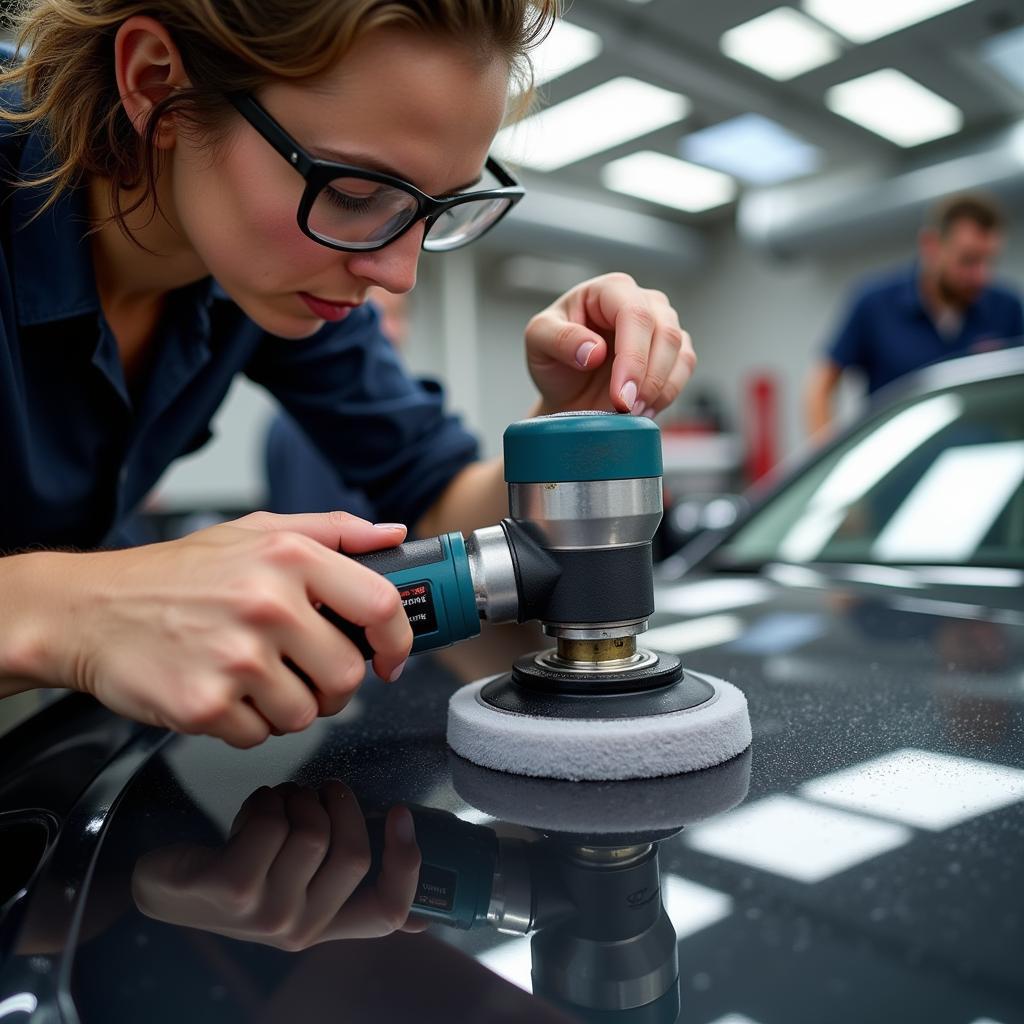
411 555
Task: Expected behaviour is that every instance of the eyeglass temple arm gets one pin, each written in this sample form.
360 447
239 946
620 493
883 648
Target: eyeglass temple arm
503 176
271 131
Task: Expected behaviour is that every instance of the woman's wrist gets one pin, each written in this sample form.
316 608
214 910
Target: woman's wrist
542 407
31 591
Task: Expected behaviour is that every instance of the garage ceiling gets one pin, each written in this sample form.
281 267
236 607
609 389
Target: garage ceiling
675 44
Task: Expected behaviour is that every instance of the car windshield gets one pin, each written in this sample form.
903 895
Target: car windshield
934 480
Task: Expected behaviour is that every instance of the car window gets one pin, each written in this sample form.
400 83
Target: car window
935 480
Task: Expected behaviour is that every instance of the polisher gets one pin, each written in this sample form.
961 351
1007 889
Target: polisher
583 880
585 499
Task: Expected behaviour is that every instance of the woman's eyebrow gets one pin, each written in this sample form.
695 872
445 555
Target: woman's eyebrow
369 163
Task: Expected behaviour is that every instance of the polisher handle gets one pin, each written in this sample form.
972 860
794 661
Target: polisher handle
457 868
434 581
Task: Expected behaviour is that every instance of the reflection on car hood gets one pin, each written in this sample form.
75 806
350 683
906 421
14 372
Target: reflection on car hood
870 873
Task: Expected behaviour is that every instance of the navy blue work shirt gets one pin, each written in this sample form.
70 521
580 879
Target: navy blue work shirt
888 332
299 478
79 449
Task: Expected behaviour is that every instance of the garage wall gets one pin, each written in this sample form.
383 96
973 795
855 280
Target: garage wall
747 313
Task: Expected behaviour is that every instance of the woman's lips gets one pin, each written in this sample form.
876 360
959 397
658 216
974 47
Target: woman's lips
324 309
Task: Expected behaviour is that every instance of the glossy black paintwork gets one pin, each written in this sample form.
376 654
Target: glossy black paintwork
933 930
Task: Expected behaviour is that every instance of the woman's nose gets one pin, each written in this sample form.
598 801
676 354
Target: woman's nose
393 267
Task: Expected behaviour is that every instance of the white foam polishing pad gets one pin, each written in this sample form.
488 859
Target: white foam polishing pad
600 748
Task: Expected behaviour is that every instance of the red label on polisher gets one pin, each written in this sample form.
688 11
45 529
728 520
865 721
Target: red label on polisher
418 602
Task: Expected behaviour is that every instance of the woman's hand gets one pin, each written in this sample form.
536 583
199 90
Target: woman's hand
289 873
609 344
197 635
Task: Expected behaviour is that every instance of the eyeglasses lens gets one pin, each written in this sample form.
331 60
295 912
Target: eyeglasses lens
462 223
356 212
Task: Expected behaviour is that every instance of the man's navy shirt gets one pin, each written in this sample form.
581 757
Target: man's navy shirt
888 332
79 450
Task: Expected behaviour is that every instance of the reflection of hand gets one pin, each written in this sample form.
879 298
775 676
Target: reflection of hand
288 875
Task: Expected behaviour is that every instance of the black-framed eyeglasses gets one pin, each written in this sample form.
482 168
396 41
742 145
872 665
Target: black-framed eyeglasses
356 210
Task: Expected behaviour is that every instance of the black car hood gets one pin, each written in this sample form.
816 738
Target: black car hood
813 907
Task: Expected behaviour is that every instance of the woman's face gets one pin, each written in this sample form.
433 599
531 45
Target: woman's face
423 109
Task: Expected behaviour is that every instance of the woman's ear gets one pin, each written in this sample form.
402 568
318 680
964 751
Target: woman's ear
148 67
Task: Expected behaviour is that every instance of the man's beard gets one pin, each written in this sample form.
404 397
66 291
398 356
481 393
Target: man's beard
954 296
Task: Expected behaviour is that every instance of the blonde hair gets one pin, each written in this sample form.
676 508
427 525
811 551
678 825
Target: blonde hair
66 66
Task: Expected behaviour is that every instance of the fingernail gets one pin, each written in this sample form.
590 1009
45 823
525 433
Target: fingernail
650 412
398 671
584 351
389 526
638 408
628 394
405 829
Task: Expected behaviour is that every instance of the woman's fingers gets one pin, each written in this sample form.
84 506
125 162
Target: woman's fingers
679 376
400 865
383 907
347 862
329 660
363 597
285 906
564 341
237 724
354 592
281 697
609 317
336 531
290 873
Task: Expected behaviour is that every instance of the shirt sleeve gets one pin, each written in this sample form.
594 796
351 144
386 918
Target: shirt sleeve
384 432
849 346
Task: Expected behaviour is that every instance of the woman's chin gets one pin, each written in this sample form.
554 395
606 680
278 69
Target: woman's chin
292 326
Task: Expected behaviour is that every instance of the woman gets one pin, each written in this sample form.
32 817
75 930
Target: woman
288 150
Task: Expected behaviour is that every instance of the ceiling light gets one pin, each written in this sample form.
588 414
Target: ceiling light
864 20
781 44
566 47
892 105
922 788
752 148
796 839
1006 54
605 116
668 181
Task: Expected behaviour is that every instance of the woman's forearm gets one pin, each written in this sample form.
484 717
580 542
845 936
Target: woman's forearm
477 497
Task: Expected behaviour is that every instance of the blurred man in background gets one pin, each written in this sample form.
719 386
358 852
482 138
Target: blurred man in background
944 306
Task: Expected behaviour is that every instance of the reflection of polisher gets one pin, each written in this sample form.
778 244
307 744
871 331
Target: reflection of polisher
603 946
575 553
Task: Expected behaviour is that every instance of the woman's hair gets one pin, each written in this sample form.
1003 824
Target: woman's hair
66 66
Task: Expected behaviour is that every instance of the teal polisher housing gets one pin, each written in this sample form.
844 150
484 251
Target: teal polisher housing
584 500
